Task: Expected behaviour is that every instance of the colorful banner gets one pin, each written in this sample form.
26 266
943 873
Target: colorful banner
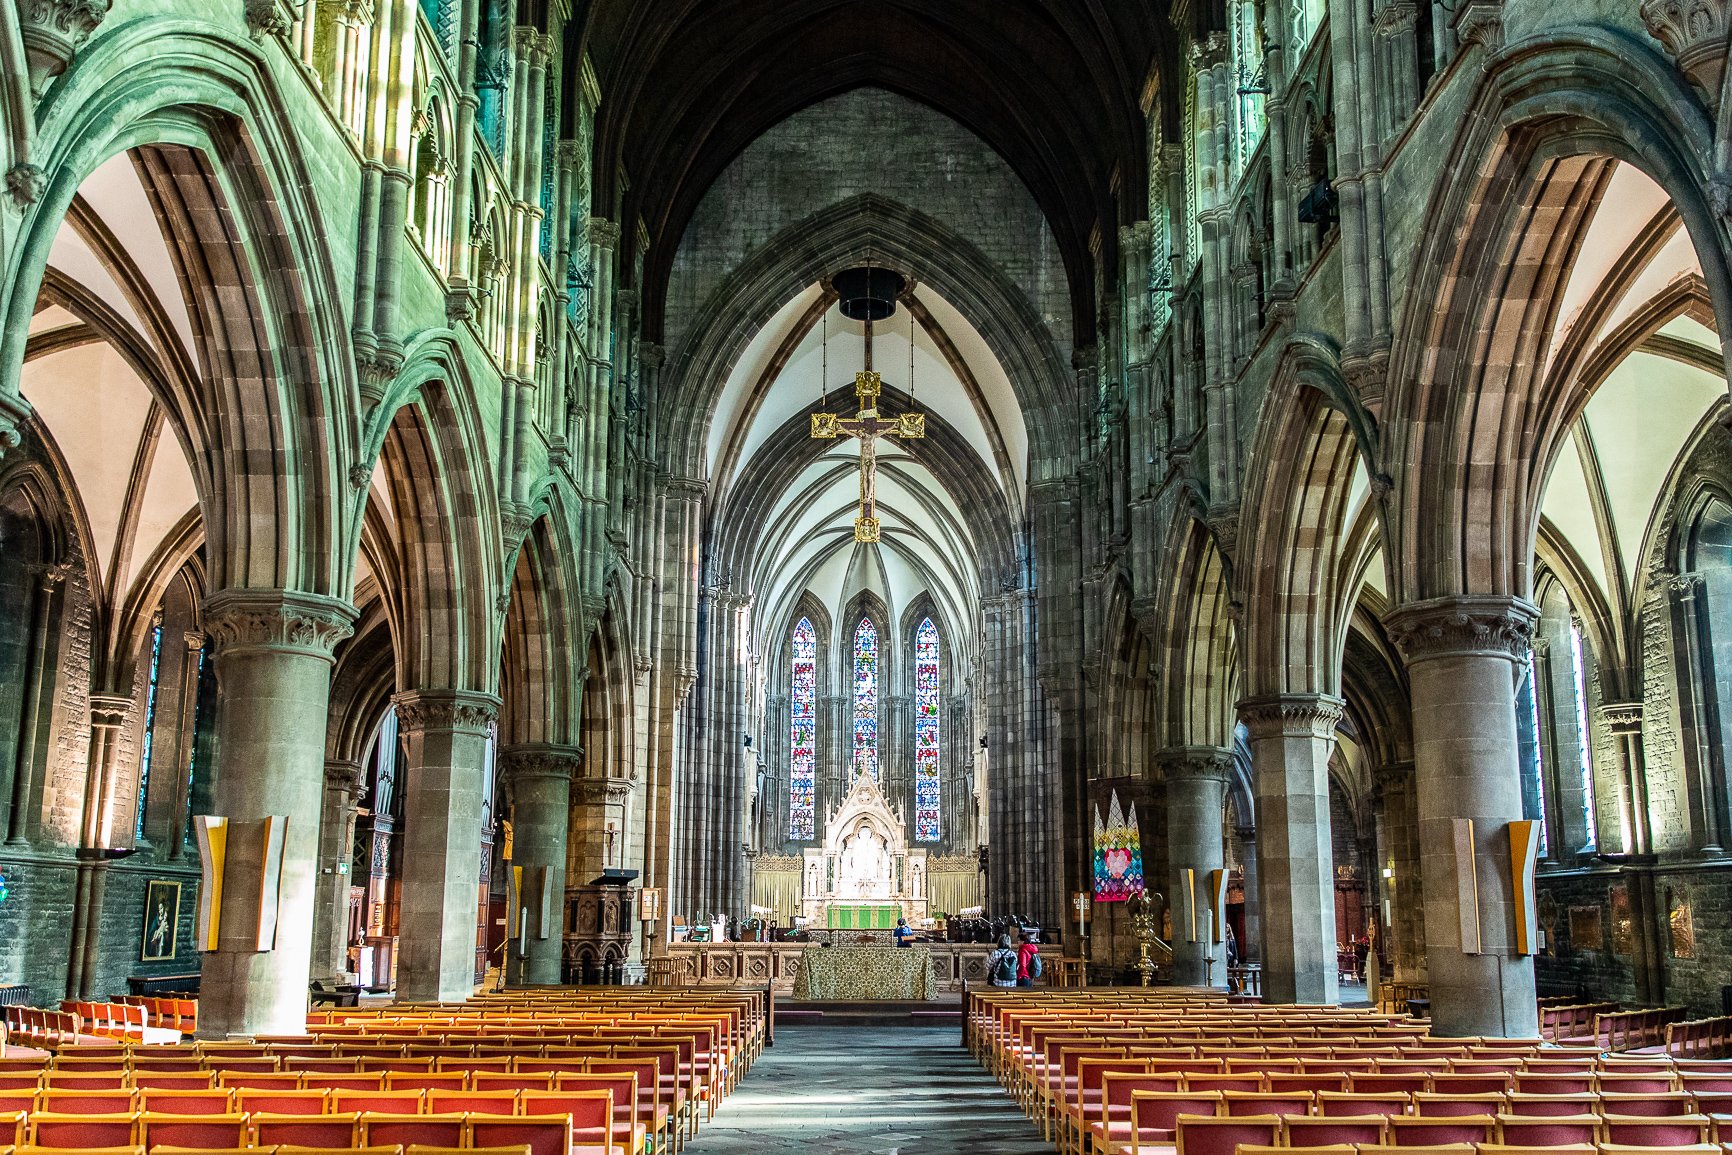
1118 853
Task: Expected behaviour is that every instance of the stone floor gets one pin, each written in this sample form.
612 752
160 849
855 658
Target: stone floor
854 1091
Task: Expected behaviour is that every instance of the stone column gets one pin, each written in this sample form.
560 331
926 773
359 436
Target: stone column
1461 656
273 669
36 685
445 734
1196 797
539 780
343 780
1401 886
1292 736
1250 950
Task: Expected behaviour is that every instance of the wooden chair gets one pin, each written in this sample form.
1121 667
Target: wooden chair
333 1130
1331 1131
230 1131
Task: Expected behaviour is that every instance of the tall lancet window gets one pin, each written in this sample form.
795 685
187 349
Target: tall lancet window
866 699
926 781
803 759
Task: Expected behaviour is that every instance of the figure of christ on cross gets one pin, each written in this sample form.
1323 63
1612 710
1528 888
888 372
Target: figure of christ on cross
868 427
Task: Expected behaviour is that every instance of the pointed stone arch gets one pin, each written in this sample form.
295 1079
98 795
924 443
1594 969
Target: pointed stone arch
1473 428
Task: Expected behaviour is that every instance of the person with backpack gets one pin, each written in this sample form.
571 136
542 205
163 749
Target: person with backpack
1028 964
1002 964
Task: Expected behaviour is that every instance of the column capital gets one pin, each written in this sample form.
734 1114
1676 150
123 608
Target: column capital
601 789
1292 715
1623 718
530 761
1245 833
245 620
343 775
108 711
419 711
1392 773
1492 626
1195 763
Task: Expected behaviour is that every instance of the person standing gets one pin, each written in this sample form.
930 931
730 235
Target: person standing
1002 964
1028 964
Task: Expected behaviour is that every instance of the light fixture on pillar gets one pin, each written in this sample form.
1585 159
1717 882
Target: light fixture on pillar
869 295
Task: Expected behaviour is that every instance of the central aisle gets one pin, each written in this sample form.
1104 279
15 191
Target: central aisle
854 1090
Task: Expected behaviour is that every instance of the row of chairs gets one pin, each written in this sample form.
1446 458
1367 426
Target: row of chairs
283 1149
32 1027
589 1133
1158 1121
170 1012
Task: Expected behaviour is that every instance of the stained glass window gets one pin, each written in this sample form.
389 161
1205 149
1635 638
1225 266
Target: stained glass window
192 747
1579 670
149 726
926 780
1536 767
803 759
866 699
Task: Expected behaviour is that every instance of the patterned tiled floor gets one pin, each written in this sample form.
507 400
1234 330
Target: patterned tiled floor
859 1091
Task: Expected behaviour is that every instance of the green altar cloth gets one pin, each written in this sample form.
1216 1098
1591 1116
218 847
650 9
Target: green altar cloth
866 972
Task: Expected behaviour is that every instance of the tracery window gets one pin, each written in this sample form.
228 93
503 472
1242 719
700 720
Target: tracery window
1533 754
1584 759
193 715
149 725
866 699
803 747
1249 82
926 733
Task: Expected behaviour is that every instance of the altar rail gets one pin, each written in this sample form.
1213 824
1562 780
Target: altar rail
732 963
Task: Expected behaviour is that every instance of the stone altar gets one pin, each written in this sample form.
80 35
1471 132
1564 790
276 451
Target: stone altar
864 864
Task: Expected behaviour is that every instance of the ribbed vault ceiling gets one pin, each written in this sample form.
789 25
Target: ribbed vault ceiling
1053 85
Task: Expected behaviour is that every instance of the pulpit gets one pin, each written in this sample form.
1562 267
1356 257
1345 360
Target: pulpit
865 876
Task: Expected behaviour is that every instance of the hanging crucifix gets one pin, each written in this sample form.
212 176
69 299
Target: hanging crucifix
875 299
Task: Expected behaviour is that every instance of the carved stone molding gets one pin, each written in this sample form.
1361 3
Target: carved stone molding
456 711
1292 715
52 32
1488 625
278 620
1622 717
540 760
1196 764
343 776
1695 35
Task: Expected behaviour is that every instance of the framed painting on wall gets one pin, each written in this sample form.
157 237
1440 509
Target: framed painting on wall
161 920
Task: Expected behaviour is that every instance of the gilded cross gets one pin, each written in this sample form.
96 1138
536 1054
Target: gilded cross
868 427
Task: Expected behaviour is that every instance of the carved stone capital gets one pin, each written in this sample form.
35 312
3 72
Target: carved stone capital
14 411
567 152
534 47
1488 626
529 762
25 184
1480 22
109 711
343 776
1197 764
283 621
1695 35
650 355
602 233
593 790
454 711
52 32
1292 715
1623 718
266 18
